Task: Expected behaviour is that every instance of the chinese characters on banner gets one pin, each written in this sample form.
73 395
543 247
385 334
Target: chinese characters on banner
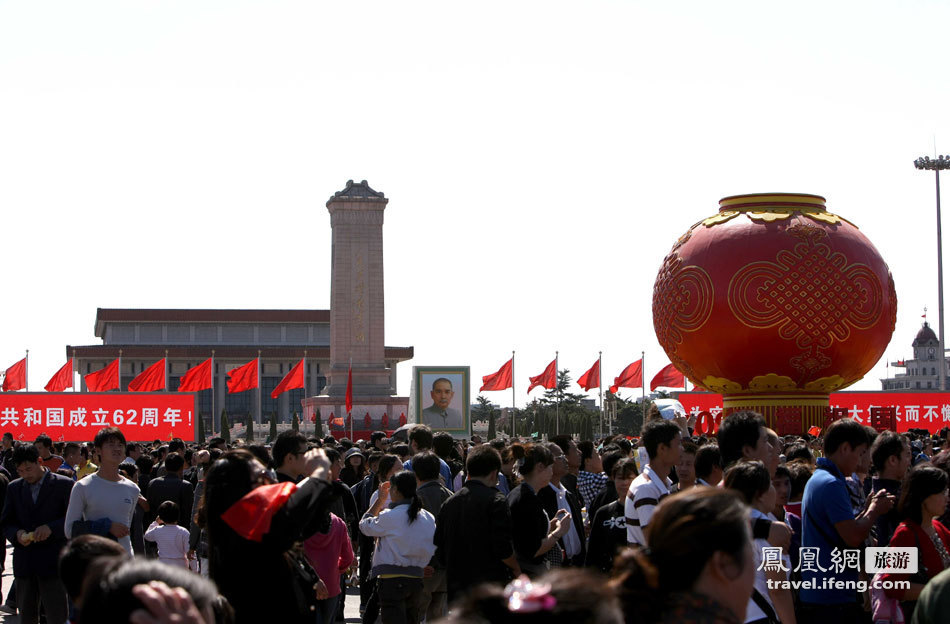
912 410
77 416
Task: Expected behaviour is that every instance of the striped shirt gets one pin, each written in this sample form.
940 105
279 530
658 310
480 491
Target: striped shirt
645 493
172 541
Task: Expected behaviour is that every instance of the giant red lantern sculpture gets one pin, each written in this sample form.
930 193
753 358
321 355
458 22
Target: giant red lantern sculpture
774 303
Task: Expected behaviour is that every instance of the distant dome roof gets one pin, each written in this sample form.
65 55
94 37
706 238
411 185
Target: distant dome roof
925 335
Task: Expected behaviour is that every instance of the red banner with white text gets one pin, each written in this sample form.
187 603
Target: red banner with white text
77 416
913 410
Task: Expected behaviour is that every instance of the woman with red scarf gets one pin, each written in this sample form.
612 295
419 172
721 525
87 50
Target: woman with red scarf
252 523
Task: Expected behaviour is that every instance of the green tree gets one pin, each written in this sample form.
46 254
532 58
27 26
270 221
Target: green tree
295 424
560 411
318 425
486 411
273 426
225 427
201 428
630 413
250 428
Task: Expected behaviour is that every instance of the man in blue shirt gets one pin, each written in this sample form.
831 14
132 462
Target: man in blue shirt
828 523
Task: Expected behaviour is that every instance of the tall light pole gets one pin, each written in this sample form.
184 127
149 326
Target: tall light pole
936 165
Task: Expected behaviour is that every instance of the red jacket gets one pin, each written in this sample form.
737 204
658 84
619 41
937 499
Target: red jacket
909 534
330 554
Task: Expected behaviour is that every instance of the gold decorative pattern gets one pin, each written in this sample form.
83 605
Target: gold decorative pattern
721 217
768 216
825 217
811 293
682 301
892 296
777 213
721 385
825 384
771 383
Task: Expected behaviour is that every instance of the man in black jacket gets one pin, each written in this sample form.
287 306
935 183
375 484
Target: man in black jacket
473 531
432 602
608 527
173 488
33 516
556 496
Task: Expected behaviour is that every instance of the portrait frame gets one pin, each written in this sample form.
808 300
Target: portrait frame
460 376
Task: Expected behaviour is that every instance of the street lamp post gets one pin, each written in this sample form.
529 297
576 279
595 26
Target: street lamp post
936 165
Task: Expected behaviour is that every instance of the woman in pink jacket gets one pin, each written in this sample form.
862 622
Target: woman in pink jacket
330 554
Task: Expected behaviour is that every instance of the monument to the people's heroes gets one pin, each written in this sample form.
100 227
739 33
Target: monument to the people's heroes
357 314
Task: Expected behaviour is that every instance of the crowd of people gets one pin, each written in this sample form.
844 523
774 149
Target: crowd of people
740 526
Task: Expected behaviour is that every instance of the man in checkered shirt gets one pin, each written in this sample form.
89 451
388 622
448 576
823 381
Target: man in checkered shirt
663 443
591 478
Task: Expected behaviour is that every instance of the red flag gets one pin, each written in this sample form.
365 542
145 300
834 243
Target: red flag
293 379
150 379
15 379
196 378
814 430
250 517
349 390
104 379
547 379
500 380
668 377
590 379
243 377
402 419
367 421
384 424
336 421
630 377
62 379
313 417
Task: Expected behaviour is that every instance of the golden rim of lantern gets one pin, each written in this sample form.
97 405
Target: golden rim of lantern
771 207
760 201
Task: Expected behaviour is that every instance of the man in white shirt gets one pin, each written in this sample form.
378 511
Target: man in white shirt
555 497
105 495
663 443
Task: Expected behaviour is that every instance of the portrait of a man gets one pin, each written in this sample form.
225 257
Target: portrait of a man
440 414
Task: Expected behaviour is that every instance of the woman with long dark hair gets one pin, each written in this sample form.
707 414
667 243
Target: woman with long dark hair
923 500
698 564
534 533
252 523
404 547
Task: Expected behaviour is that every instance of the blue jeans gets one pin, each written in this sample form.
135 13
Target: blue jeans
326 610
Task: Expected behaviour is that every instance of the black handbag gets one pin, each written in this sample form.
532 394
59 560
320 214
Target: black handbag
305 581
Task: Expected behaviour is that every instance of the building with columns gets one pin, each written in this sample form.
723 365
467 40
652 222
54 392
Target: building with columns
188 337
920 373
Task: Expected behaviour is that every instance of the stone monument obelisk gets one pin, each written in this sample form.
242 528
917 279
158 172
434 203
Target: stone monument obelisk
357 317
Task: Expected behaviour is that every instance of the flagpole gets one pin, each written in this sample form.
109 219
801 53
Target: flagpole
513 393
26 372
212 392
643 379
349 413
166 371
120 370
260 390
305 385
600 391
557 399
72 368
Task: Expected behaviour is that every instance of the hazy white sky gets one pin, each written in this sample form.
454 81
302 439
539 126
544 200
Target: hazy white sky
540 158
